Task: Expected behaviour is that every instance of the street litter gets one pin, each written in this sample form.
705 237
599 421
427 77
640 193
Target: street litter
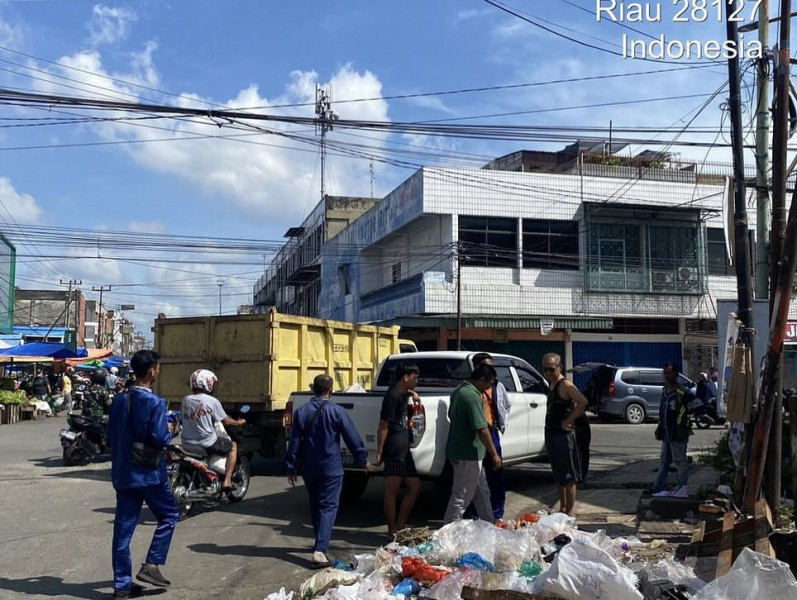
541 555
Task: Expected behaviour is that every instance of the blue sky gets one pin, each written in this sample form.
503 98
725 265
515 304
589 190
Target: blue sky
261 53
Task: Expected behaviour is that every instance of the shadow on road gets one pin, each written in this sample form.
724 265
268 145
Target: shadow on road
280 553
56 586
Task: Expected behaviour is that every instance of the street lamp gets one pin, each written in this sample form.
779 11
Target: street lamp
220 283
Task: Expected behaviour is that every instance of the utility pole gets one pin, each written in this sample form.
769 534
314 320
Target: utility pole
459 295
70 283
101 289
765 447
763 215
325 116
220 283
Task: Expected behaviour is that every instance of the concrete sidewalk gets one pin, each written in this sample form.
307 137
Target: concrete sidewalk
619 502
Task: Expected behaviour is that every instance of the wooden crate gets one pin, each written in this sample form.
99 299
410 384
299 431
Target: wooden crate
10 414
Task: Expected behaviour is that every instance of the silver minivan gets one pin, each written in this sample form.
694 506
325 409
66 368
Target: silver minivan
629 393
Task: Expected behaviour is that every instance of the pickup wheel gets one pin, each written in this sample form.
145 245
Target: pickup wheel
354 485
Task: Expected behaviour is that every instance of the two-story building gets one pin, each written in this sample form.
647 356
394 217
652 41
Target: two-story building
598 257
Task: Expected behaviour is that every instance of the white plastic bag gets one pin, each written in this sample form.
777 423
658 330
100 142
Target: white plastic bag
583 571
754 576
549 526
325 580
463 536
281 595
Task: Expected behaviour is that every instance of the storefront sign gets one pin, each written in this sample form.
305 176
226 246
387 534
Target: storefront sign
546 326
791 333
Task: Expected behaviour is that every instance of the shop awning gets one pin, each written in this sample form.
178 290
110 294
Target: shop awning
39 349
503 322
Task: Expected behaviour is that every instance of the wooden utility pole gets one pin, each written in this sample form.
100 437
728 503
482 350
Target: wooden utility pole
741 237
459 295
763 215
70 283
101 289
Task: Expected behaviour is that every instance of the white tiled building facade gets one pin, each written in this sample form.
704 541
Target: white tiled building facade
610 259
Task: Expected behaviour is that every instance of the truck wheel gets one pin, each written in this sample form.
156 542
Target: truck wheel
634 413
354 485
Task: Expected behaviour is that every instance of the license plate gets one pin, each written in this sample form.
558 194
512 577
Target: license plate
68 435
347 458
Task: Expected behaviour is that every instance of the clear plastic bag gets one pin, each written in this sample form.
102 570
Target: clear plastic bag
281 595
325 580
753 576
584 571
549 526
513 582
450 588
463 536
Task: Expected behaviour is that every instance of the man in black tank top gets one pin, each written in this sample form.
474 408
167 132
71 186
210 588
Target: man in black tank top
565 404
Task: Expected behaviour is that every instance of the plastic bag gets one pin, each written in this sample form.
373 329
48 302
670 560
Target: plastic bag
326 580
387 561
365 563
471 560
514 582
752 576
344 592
549 526
450 588
531 569
281 595
460 537
375 587
584 571
678 573
419 569
408 587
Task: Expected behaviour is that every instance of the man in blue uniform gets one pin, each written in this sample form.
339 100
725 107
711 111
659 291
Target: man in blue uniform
138 415
314 453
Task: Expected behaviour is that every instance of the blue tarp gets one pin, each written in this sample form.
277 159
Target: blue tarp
42 349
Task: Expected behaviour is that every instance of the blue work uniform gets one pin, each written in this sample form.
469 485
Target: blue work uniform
321 464
674 430
134 484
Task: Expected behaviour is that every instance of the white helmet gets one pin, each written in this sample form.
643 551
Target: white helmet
204 380
114 370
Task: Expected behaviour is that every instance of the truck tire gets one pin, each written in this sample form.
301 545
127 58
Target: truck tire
354 485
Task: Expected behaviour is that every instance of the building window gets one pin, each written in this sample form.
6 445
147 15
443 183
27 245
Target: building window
718 263
488 241
396 272
550 244
655 255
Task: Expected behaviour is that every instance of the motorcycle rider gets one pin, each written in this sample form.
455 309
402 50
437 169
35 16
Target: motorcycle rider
111 380
98 401
200 412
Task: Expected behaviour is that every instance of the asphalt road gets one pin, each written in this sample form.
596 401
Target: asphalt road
56 521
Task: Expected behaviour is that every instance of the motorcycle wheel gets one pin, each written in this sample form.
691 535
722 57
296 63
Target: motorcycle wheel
702 423
181 485
75 455
240 480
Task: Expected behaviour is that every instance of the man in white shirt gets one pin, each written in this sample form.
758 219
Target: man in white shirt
200 412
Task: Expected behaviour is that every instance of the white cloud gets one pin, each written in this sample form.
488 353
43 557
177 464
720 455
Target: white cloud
10 35
147 227
108 24
23 208
262 175
469 14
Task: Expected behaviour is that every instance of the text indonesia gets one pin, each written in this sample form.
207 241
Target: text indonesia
683 12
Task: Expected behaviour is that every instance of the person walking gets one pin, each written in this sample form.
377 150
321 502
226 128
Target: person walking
496 411
139 416
394 438
565 405
673 431
66 386
314 453
469 440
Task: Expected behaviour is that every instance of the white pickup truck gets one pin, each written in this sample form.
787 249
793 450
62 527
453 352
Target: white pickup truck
440 373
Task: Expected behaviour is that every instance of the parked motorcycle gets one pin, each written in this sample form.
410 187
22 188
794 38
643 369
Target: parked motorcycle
195 477
85 439
709 416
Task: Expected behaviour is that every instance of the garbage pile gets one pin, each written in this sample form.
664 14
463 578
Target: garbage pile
546 555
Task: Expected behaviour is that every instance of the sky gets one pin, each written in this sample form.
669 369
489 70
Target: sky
188 177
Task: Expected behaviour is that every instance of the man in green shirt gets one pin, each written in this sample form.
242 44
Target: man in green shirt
469 440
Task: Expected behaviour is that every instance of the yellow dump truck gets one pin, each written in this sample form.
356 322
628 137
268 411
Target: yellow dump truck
261 359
